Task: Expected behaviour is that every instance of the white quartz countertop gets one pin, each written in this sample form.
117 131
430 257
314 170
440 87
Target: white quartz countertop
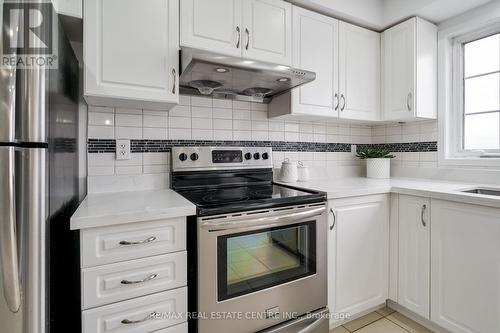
98 210
352 187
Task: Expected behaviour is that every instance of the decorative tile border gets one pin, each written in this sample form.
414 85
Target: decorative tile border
158 146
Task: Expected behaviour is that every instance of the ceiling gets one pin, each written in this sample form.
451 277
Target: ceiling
380 14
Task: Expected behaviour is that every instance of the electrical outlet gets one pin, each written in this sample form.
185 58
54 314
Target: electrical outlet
122 150
354 149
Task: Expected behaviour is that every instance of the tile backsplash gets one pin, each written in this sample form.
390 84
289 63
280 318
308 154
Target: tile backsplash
207 121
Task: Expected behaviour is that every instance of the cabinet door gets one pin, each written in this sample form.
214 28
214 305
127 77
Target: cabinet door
315 48
213 25
399 71
358 254
359 73
131 53
414 254
465 266
267 34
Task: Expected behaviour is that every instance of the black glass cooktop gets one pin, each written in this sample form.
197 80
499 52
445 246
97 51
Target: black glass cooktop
241 198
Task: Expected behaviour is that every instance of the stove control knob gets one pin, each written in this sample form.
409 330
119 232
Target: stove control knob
265 156
183 157
256 156
248 156
194 157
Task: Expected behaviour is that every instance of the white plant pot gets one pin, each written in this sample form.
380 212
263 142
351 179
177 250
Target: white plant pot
378 168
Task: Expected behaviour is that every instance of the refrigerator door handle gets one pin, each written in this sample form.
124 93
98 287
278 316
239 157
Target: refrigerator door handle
8 240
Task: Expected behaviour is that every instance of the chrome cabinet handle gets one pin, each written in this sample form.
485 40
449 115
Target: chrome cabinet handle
239 37
424 207
334 218
342 97
9 263
146 241
149 278
248 38
131 322
336 99
174 74
408 98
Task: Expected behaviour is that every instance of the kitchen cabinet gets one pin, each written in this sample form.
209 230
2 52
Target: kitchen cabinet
315 48
359 73
465 261
68 7
252 29
214 25
346 60
358 254
410 71
414 254
131 53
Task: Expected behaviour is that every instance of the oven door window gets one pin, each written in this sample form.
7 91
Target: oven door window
256 260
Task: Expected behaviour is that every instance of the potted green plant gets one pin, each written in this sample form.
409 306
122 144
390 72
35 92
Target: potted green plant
378 162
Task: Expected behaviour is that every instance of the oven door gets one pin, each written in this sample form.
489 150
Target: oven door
261 268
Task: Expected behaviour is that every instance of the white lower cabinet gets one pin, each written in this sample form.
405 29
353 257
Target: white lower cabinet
358 254
414 254
144 314
465 267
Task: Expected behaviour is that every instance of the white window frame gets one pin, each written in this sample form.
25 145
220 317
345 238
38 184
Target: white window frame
451 98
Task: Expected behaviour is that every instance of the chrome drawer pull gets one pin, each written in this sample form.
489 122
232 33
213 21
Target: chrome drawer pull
239 37
146 241
424 207
410 95
334 218
131 322
149 278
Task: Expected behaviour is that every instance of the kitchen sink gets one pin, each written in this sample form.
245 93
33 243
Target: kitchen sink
484 191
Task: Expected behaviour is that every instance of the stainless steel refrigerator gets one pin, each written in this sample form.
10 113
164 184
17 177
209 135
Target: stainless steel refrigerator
38 180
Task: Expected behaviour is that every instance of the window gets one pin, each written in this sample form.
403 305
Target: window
481 94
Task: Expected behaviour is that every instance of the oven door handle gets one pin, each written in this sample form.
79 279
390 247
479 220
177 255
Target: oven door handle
264 222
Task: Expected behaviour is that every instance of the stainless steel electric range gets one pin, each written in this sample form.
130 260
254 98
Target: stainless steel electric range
257 250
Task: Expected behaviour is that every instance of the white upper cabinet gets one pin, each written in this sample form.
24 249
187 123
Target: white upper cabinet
315 43
214 25
359 73
131 53
253 29
414 254
410 71
465 265
358 254
268 31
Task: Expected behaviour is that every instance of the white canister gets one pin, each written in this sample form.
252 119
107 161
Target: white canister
378 168
303 172
289 173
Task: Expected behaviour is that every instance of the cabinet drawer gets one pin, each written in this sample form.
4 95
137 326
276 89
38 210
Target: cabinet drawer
107 245
134 316
182 328
118 282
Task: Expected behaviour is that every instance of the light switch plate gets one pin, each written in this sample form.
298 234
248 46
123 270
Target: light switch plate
122 150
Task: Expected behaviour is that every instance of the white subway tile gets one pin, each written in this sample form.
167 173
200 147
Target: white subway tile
155 169
128 120
259 107
319 129
180 122
428 157
203 134
101 109
149 120
220 113
276 125
242 125
241 105
128 133
184 100
223 124
201 101
100 170
101 132
222 103
305 127
242 114
201 123
128 111
259 115
101 118
291 126
306 137
332 129
226 135
319 137
156 158
128 170
103 159
410 137
394 130
201 112
151 133
180 111
291 137
260 125
378 130
179 134
242 135
344 130
135 160
260 135
277 136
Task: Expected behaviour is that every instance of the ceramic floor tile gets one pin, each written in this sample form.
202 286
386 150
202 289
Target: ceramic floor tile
384 312
382 326
339 329
407 323
362 321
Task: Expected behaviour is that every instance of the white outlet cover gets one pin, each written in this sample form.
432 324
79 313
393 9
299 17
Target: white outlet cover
122 150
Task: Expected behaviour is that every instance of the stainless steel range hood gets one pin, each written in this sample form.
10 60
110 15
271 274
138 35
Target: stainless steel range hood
226 77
